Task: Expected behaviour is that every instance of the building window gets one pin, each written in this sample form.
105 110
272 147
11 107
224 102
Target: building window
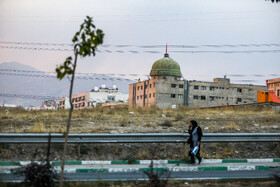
239 90
154 94
138 87
173 85
195 97
278 93
154 84
150 85
212 88
83 104
203 97
180 96
84 98
195 87
203 87
150 95
137 97
212 98
181 86
141 97
111 97
173 95
239 100
141 87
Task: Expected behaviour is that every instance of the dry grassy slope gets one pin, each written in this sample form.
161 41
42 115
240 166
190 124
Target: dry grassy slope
149 120
119 120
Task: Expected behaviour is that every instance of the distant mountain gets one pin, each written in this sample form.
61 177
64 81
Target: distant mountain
26 80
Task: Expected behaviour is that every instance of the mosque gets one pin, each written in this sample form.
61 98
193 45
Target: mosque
166 88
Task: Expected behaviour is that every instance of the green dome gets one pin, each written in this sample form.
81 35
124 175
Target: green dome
166 67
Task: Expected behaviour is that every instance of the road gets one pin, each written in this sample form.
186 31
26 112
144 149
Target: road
140 175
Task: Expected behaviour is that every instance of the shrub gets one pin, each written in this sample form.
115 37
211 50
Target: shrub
179 117
166 123
40 174
84 150
38 128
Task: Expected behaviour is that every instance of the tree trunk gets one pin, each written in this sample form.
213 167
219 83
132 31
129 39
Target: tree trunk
68 123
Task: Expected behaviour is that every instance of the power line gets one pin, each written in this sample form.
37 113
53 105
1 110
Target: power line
35 43
15 71
37 48
36 97
149 51
101 74
151 46
77 77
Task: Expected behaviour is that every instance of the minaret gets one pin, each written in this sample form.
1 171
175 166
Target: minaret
166 54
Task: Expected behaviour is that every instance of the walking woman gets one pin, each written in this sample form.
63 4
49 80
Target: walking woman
194 140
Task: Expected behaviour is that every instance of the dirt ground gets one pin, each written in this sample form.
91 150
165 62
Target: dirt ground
149 120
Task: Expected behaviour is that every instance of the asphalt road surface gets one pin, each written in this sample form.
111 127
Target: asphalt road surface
140 175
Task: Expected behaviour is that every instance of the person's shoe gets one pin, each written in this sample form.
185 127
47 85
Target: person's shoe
191 163
200 160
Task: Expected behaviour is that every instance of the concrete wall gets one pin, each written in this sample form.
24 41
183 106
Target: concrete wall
222 93
168 95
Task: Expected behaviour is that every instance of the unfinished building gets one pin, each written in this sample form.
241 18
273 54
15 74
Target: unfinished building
166 88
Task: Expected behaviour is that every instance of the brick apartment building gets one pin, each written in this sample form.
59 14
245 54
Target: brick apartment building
274 86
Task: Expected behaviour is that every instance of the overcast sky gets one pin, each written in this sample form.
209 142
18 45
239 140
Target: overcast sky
192 23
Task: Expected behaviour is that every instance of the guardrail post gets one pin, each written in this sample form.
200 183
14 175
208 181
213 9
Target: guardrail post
79 151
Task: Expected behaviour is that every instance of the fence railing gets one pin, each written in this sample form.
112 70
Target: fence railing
138 138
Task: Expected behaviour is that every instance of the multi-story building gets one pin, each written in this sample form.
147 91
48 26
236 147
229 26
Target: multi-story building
221 92
49 105
93 98
274 86
166 88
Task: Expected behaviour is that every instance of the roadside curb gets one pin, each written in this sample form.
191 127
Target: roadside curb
143 162
158 169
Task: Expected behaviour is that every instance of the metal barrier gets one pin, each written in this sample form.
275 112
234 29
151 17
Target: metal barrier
138 138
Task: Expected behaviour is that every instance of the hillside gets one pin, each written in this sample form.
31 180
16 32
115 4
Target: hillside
26 80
